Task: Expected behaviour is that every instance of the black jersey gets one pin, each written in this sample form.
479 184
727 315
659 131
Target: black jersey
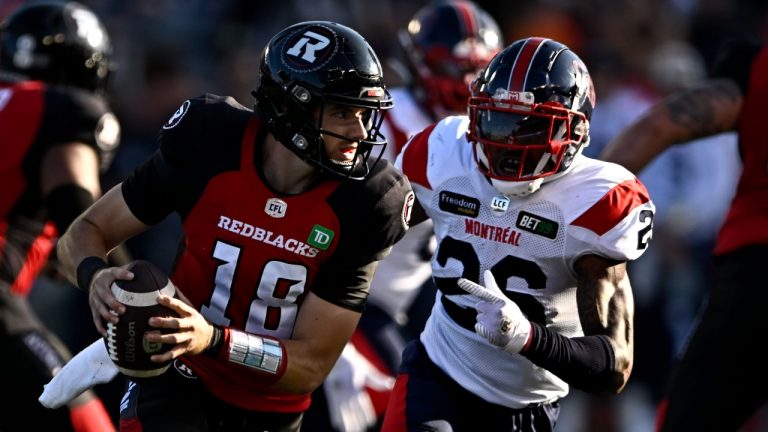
747 220
251 255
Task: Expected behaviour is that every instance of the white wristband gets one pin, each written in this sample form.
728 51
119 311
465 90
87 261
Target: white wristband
255 351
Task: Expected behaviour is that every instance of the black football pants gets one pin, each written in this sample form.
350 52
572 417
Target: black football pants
178 401
426 399
30 355
722 378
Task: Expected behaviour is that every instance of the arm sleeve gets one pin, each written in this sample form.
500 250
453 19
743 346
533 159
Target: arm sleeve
586 363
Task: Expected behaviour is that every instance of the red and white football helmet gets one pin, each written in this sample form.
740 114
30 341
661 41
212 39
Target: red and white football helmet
446 44
529 114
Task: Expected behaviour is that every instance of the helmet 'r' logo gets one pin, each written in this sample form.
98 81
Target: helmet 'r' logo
309 48
306 49
177 116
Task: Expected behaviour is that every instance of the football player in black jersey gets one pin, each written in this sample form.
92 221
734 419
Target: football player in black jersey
719 381
286 211
57 131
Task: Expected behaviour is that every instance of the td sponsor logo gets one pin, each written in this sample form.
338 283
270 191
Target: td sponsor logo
320 237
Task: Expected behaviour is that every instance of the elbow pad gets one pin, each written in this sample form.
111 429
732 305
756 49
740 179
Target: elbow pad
587 363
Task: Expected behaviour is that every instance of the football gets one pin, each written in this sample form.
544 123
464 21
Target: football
126 342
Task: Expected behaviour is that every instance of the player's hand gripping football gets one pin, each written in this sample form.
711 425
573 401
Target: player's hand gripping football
104 306
191 332
499 319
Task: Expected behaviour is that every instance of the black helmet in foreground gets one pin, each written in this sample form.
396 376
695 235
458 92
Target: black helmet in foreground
309 65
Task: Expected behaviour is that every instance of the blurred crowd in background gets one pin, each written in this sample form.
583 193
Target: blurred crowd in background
636 50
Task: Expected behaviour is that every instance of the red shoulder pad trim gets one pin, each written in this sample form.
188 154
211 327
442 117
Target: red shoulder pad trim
613 207
415 158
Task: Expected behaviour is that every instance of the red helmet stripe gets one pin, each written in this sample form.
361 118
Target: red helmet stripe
466 17
523 63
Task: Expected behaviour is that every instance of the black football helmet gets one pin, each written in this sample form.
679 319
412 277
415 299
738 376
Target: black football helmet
62 43
312 64
446 44
529 114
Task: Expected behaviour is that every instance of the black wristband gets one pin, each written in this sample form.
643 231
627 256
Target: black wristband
87 268
217 340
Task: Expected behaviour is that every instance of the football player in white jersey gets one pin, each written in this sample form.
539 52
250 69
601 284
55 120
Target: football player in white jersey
445 45
532 244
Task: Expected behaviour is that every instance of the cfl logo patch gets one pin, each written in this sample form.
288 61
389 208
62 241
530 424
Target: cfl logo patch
276 208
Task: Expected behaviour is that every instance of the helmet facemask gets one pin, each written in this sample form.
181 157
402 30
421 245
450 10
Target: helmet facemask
529 114
519 141
369 150
298 124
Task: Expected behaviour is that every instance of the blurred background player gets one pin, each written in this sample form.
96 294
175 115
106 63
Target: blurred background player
717 362
444 46
548 233
58 134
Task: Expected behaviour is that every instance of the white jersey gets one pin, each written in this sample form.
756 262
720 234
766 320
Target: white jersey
530 243
400 275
